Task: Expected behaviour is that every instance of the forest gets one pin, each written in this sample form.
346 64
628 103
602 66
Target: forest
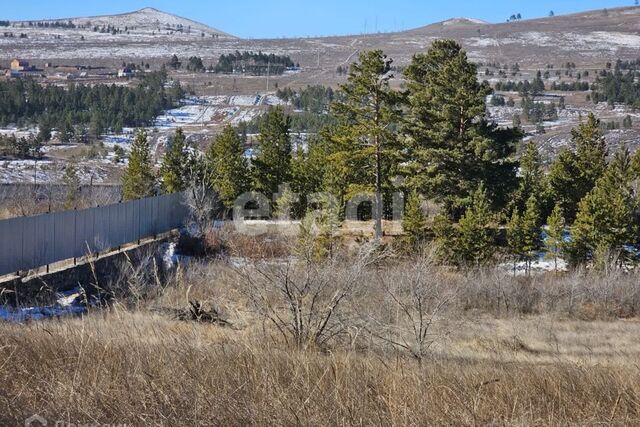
100 108
252 63
431 141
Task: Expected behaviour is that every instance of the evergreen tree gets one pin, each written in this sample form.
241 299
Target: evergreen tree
523 233
605 219
475 243
472 242
517 121
554 240
66 132
119 154
308 168
174 164
319 230
366 145
515 237
272 165
452 149
532 181
139 180
71 182
573 175
44 130
591 152
414 222
229 169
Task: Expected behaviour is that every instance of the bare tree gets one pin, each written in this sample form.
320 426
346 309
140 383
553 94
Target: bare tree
416 300
202 201
303 298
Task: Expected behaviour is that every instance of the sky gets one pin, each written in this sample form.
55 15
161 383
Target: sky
300 18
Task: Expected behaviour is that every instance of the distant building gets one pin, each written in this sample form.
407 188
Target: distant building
125 72
20 65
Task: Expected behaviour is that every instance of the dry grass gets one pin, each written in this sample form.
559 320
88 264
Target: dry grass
537 363
140 369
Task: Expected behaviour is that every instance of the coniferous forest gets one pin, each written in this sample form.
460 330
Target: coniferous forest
433 141
102 107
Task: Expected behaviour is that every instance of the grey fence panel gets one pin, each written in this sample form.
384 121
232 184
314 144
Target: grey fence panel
11 245
31 242
64 234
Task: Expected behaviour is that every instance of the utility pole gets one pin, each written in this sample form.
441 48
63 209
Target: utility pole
268 73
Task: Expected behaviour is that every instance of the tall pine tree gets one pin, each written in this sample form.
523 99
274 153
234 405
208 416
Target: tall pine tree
452 148
365 144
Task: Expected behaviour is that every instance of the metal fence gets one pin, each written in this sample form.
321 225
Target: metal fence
32 242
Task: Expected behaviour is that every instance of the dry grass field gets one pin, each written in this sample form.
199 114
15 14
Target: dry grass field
496 350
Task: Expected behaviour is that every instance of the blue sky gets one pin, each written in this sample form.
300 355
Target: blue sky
278 18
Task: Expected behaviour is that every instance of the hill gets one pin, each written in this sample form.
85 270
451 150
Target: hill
590 39
143 21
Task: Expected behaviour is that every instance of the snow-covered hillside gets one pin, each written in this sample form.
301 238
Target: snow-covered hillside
144 21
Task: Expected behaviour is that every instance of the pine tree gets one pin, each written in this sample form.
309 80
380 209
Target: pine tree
451 147
475 243
532 180
573 175
517 121
591 152
365 144
71 182
272 165
139 180
523 233
174 165
308 169
118 154
414 222
471 242
554 240
532 232
66 132
605 219
319 233
515 237
44 129
229 169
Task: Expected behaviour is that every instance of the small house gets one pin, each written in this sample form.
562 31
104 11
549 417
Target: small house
125 72
20 65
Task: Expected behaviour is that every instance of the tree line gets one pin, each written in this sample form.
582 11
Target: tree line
101 107
253 63
433 141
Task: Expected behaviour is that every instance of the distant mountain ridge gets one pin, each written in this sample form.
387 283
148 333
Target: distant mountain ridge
147 20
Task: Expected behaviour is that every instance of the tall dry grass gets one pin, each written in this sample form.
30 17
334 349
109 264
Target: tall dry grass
144 370
408 343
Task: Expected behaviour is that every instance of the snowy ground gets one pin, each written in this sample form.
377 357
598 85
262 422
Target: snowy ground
68 304
216 110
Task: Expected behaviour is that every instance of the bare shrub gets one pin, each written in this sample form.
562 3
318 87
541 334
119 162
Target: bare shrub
304 299
412 313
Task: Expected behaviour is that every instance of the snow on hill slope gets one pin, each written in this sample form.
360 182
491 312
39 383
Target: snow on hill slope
144 21
464 21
